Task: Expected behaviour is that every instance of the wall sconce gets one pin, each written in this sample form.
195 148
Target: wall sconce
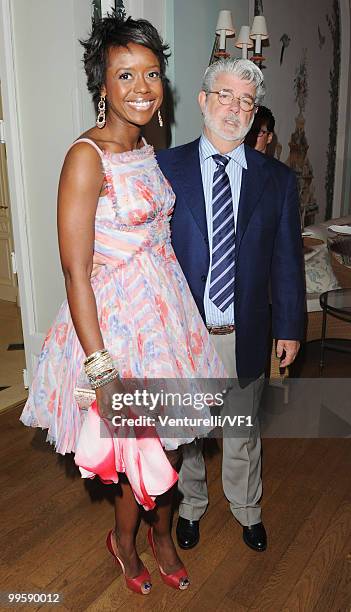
224 28
244 41
258 33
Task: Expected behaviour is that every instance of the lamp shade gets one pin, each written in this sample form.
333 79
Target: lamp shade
225 23
244 38
259 28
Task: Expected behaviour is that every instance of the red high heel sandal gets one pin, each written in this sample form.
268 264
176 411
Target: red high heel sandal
178 580
137 584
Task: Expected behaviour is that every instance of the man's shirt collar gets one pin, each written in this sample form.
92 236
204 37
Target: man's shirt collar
206 150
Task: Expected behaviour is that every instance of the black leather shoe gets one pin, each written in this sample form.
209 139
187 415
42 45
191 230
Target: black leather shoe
255 537
188 533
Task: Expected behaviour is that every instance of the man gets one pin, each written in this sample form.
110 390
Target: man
235 231
261 134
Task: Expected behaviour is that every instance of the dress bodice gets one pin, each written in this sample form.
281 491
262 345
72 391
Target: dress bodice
134 207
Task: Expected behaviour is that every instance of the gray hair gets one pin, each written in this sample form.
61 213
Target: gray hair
244 69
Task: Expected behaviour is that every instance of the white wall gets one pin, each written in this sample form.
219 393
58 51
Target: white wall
193 38
153 10
53 109
83 107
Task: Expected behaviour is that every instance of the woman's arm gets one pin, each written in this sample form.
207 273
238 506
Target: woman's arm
80 185
79 188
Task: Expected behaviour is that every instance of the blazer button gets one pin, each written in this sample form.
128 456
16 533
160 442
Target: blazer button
203 278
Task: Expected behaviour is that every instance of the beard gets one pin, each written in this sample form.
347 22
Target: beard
234 132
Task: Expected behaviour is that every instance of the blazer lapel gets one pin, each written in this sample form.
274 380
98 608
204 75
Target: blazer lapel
253 183
189 182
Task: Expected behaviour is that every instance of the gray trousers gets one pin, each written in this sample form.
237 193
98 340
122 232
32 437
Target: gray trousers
241 463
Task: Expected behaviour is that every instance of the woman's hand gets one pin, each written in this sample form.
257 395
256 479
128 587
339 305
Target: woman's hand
104 398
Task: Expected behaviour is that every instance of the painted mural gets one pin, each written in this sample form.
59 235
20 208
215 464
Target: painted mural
293 28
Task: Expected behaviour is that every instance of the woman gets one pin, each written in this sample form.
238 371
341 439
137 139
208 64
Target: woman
135 317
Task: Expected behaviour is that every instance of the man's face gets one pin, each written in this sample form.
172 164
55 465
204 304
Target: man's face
264 138
227 122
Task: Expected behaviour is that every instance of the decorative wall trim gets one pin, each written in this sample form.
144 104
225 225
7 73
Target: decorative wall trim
120 8
298 159
342 182
259 7
333 21
16 179
95 10
101 7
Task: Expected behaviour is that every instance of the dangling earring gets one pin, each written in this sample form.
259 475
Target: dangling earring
101 118
160 120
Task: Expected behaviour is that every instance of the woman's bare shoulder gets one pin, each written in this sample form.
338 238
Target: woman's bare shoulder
83 161
84 150
105 141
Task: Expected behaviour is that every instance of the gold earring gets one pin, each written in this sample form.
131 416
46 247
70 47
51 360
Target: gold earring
159 116
101 118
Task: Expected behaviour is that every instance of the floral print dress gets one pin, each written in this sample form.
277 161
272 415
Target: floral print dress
148 319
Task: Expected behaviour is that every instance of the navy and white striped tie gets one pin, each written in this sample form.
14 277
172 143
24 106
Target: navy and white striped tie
223 238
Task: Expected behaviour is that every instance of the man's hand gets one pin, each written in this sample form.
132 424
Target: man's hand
291 348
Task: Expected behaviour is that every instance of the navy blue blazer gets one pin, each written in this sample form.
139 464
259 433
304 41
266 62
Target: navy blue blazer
268 249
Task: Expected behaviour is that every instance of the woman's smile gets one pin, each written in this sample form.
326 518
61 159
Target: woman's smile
141 104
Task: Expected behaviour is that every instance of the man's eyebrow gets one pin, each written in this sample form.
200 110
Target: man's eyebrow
247 95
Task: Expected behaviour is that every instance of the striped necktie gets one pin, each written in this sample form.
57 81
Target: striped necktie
223 237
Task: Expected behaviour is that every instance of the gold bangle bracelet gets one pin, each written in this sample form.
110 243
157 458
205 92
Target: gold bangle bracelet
104 380
93 356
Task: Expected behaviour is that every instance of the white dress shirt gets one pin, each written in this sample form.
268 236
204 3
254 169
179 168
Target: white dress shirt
237 162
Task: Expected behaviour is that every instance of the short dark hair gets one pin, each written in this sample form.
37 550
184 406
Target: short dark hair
264 116
112 31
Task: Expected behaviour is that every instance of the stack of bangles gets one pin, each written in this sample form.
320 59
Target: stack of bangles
99 368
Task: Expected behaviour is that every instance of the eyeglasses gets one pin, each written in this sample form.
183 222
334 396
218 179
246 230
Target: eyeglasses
227 97
263 132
